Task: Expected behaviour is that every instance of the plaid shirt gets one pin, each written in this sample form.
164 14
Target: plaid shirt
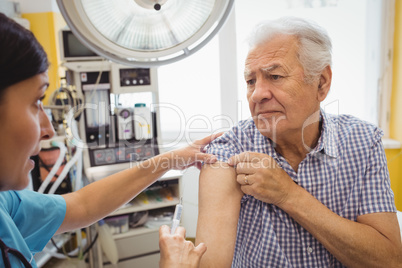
347 172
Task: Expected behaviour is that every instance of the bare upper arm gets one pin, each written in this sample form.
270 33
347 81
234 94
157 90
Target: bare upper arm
75 213
218 213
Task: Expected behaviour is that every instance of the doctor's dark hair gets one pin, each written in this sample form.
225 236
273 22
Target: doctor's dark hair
21 55
315 48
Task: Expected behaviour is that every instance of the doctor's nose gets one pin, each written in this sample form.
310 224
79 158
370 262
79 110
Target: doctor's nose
47 130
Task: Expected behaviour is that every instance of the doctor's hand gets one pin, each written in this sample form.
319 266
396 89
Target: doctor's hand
260 176
193 154
176 251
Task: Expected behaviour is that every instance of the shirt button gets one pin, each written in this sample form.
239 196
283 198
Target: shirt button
309 250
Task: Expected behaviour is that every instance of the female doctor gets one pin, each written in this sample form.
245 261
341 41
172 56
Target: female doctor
28 219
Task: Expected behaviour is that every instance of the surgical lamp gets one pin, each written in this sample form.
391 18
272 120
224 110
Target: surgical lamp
145 33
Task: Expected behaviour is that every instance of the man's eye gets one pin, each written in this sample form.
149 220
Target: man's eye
250 82
276 77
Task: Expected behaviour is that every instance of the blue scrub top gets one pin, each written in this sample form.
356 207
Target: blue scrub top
27 222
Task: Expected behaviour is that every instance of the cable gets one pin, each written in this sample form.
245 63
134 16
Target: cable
77 156
66 169
85 250
78 176
56 166
69 99
74 138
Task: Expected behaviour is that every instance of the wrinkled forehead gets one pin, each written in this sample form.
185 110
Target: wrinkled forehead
282 48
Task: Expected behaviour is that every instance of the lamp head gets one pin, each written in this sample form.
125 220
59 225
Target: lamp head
151 4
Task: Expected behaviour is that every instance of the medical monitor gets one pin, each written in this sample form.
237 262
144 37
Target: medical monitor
73 50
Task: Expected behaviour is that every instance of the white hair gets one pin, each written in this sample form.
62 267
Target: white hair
314 52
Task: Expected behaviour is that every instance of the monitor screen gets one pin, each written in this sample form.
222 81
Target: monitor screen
73 49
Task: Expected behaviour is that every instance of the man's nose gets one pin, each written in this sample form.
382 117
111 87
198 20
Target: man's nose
262 91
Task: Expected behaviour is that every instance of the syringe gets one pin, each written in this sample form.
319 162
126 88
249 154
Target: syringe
176 217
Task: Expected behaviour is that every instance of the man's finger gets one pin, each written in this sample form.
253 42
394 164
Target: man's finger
250 167
247 167
244 179
246 157
246 189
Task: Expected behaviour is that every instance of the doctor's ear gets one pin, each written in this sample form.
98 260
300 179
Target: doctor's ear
324 83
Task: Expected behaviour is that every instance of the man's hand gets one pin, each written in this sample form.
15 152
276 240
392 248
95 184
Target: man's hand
176 251
261 177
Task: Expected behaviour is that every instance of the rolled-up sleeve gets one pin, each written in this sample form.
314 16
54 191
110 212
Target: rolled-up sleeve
376 195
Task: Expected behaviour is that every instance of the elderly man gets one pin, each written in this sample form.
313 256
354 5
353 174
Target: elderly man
302 188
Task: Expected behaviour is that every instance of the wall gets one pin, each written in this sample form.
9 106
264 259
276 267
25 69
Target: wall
394 156
46 21
395 170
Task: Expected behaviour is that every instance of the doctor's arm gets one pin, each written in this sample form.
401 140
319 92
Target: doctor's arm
97 200
218 214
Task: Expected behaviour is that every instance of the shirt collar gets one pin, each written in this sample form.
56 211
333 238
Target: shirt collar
327 141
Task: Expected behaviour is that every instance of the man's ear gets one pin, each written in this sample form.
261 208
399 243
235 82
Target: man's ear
324 84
